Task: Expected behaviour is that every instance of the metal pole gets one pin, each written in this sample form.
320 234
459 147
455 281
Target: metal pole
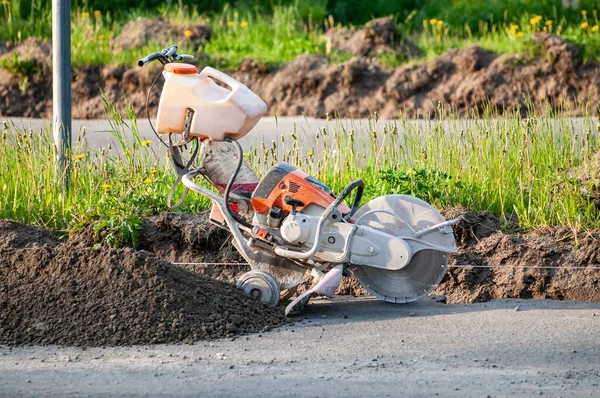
61 82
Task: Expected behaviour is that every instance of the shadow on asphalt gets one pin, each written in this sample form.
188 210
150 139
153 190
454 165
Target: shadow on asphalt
363 309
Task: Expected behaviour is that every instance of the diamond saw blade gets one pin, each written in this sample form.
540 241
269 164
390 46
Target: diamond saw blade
417 279
426 268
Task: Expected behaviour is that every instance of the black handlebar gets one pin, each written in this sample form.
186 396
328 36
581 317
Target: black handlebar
149 58
167 55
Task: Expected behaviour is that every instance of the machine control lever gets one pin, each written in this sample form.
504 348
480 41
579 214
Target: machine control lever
288 200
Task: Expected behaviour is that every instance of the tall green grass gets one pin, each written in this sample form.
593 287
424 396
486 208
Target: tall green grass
282 34
502 163
113 188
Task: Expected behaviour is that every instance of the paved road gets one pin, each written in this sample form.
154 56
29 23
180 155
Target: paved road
267 129
344 347
271 128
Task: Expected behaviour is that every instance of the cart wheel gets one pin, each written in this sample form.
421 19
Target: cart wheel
260 285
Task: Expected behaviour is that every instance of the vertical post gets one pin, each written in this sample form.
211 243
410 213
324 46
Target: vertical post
61 82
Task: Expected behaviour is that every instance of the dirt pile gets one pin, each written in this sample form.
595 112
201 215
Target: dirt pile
377 37
466 80
58 293
469 278
26 80
186 238
159 31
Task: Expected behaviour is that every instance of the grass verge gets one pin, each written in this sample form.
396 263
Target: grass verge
501 163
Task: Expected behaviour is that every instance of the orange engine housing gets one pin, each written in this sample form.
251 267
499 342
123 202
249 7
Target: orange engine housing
283 180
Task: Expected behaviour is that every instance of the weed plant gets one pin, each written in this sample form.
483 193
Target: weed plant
502 163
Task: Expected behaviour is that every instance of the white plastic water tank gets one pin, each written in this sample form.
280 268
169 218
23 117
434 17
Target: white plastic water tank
219 112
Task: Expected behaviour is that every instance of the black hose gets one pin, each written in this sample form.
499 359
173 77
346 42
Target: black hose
230 184
357 198
148 109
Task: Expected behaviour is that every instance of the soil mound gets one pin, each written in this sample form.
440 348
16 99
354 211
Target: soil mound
64 294
377 37
463 81
20 236
479 239
159 31
473 226
26 80
558 265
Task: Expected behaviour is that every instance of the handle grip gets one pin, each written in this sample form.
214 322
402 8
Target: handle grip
218 75
148 58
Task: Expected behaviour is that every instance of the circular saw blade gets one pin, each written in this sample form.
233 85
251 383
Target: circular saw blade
426 268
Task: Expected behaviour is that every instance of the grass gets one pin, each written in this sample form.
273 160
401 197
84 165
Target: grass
112 191
283 34
500 163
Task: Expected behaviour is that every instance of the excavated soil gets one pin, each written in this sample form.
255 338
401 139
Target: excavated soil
190 239
466 81
55 292
75 292
379 36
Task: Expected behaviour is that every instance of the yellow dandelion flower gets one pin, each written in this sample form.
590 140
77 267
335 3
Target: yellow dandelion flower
595 28
85 14
79 156
310 153
584 12
433 21
154 171
514 27
535 20
146 142
106 186
520 34
230 23
440 22
549 22
584 25
244 24
187 33
97 13
101 37
411 172
148 181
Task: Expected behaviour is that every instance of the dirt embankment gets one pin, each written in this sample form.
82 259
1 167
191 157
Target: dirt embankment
55 292
71 292
481 243
466 80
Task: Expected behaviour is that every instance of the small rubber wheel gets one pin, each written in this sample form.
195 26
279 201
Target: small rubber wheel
260 285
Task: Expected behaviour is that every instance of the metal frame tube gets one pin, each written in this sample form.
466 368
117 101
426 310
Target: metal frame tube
61 83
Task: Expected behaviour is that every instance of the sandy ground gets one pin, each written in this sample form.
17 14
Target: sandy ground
344 347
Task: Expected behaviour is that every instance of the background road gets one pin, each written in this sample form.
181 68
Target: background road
271 128
344 347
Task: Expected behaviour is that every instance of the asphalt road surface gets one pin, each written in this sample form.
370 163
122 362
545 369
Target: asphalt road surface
344 347
268 128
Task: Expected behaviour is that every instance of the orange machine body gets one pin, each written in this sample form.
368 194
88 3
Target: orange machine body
285 180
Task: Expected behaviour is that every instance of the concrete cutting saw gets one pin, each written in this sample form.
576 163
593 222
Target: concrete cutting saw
288 224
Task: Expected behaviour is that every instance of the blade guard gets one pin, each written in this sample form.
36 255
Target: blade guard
327 286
